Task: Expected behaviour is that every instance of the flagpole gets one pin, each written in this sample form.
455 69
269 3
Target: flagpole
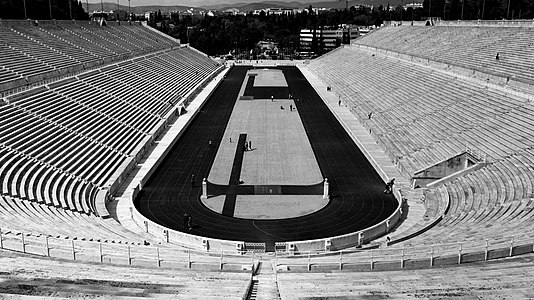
25 13
102 10
402 10
70 9
50 7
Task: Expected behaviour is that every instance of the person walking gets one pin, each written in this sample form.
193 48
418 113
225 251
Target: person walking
186 220
192 180
389 186
189 222
249 145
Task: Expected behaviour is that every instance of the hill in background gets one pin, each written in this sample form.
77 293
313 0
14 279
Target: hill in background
241 6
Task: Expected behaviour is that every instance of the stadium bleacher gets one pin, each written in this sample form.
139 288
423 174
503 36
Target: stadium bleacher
419 127
422 114
62 141
99 95
34 53
475 48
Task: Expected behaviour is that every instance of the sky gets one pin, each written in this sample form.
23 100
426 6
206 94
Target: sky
195 3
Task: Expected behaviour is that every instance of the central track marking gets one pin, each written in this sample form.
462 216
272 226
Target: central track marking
235 175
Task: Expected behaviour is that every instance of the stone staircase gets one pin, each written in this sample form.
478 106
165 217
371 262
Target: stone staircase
264 283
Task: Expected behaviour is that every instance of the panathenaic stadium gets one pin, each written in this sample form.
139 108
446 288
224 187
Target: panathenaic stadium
399 166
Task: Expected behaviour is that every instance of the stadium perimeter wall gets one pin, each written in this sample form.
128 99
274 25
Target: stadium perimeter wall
116 180
354 239
145 24
486 23
472 23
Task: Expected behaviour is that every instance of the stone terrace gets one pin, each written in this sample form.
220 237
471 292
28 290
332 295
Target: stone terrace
33 53
506 279
473 48
422 114
38 277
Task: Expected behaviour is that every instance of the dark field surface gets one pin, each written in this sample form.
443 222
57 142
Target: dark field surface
357 198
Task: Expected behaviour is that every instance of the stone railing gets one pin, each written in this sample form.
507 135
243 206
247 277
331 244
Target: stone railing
393 258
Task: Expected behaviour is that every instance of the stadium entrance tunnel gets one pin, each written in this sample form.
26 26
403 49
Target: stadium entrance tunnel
449 169
356 204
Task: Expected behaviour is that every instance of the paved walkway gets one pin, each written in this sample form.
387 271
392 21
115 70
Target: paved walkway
499 279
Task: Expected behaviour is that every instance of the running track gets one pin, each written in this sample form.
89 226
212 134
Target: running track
357 200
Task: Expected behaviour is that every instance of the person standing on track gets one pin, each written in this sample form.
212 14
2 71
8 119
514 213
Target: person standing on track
192 180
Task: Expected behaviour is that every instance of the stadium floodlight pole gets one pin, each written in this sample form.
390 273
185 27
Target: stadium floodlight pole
25 13
129 11
118 18
508 11
462 15
483 8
